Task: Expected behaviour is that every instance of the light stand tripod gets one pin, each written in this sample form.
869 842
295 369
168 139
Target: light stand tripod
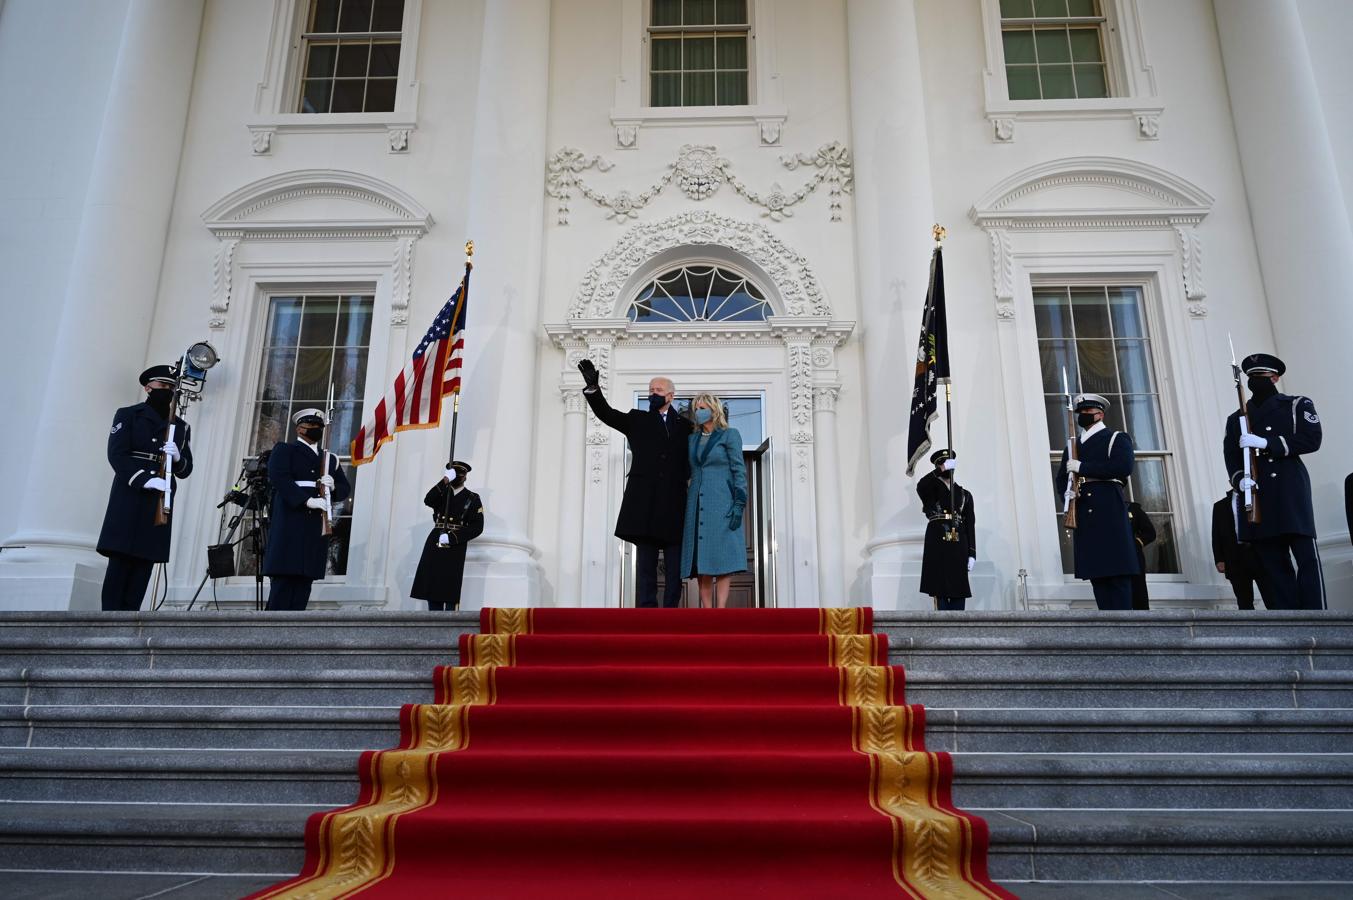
253 505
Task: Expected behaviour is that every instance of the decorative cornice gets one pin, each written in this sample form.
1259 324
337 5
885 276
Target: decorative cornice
1165 193
699 171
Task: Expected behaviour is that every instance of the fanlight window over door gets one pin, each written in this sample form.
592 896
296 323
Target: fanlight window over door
696 293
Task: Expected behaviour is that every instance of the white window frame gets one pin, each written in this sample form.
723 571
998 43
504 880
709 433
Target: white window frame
279 87
1131 79
631 112
747 30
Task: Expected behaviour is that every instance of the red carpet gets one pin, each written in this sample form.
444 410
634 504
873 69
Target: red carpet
656 754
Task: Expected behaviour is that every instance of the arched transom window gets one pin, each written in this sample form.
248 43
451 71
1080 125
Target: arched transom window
699 293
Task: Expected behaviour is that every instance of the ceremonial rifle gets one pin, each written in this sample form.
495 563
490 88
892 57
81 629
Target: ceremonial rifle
328 511
1073 483
1249 456
164 508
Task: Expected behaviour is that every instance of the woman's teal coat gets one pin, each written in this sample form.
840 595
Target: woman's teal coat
718 486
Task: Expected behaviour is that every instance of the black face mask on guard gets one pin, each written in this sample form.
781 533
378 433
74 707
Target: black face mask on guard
1085 420
159 399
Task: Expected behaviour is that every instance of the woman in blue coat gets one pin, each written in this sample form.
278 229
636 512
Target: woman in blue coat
713 546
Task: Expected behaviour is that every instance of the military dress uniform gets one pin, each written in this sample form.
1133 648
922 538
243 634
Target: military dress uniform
652 510
298 549
130 539
1286 529
945 563
458 516
1104 550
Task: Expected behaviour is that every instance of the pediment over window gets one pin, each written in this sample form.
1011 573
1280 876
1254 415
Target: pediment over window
318 202
1088 192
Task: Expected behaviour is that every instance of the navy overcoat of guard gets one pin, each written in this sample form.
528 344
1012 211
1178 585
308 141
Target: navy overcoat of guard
1292 427
134 443
944 564
296 541
1104 545
441 569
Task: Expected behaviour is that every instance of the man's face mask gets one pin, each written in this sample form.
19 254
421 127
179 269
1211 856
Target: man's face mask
1085 420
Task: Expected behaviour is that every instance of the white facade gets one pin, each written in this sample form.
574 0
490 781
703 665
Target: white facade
158 190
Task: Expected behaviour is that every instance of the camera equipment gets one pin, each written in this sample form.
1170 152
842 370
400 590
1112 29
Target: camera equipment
252 493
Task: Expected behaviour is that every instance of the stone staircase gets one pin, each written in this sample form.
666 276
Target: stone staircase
1166 754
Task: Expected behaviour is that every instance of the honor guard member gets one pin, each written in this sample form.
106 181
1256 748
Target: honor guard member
298 548
137 451
1143 535
1105 552
1281 428
457 518
653 509
950 537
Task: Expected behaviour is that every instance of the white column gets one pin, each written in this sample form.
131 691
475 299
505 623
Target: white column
107 310
1301 225
894 209
831 570
568 591
505 220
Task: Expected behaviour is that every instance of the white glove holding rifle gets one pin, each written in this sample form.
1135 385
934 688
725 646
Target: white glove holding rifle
171 451
1253 441
155 484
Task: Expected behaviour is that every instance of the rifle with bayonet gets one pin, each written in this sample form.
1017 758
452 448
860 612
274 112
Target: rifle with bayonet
1073 480
1249 455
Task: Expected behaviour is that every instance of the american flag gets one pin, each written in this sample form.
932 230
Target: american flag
415 399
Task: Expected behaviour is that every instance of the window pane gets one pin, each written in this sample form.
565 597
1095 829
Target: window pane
732 51
1055 356
1023 82
1125 308
284 328
697 12
324 16
320 63
1017 9
347 419
1050 8
666 12
1162 556
1098 373
352 60
348 94
1053 46
1055 407
698 53
349 373
279 366
380 94
270 426
314 368
385 59
1058 82
315 96
1134 367
1091 313
665 90
389 16
1148 484
1082 8
666 54
1090 81
1085 45
1052 316
1142 412
321 317
355 16
732 12
1019 46
732 89
1113 416
698 89
354 322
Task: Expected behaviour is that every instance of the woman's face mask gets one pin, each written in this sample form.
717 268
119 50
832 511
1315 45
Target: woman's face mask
703 415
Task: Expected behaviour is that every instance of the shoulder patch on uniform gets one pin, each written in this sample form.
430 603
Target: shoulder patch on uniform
1311 417
117 426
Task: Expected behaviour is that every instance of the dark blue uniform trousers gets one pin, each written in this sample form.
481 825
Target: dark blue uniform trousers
289 592
1114 592
1283 588
124 584
646 575
949 604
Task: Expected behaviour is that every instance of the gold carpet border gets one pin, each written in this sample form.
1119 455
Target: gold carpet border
853 650
491 650
470 685
840 620
515 620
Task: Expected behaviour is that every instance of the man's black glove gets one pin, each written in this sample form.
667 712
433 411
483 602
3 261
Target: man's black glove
590 373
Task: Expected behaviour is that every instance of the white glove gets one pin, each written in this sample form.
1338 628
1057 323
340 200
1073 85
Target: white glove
1069 495
949 465
156 484
326 480
443 540
1248 484
315 503
171 450
972 561
1073 466
1248 440
451 474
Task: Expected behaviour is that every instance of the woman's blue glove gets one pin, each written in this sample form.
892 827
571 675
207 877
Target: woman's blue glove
735 517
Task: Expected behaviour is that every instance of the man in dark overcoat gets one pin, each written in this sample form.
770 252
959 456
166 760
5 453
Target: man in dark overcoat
1143 535
457 518
298 549
653 509
1282 428
1233 558
1104 550
137 451
950 536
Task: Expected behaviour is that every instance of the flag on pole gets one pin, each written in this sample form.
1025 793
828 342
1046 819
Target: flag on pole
415 399
932 365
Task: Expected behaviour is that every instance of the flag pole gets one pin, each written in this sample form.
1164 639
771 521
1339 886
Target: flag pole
455 404
938 232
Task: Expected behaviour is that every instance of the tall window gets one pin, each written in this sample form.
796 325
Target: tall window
313 341
1054 49
350 56
1099 335
699 53
699 294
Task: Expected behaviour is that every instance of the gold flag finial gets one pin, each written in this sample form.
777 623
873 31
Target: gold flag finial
939 232
469 249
